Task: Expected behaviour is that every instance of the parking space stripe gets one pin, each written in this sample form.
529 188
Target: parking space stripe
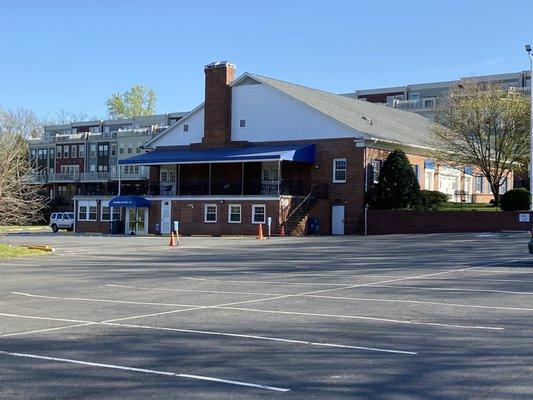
455 289
200 332
191 290
144 370
377 319
262 282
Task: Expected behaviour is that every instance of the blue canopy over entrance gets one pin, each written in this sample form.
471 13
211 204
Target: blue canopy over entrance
294 152
129 201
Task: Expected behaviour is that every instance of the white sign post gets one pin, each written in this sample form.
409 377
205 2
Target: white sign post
269 222
177 230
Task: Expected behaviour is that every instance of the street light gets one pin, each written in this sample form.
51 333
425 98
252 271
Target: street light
530 56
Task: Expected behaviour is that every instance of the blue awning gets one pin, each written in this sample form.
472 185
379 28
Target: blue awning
129 201
295 152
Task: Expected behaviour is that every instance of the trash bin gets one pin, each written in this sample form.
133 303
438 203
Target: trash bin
313 226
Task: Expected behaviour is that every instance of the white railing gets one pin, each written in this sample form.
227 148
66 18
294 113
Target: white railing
34 178
94 176
64 177
406 104
129 177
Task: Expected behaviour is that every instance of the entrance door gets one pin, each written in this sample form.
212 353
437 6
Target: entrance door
165 217
136 221
337 220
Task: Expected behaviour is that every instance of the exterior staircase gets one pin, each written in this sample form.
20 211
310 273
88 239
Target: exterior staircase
296 221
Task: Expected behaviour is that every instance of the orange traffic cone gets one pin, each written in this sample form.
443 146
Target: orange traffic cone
282 231
172 242
260 232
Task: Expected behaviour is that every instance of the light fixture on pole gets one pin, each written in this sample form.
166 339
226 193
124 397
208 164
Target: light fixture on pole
530 56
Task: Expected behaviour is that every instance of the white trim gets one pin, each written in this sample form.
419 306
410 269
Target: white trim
105 203
334 180
205 213
229 214
87 204
253 213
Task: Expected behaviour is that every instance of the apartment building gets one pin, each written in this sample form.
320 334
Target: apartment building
423 97
261 150
82 157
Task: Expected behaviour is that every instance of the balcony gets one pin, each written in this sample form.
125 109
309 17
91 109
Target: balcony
232 188
412 104
129 177
94 176
35 178
64 177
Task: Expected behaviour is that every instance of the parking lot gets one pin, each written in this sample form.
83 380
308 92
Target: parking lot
385 317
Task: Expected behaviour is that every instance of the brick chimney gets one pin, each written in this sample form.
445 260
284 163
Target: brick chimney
217 109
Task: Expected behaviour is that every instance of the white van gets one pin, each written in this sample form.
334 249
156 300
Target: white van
62 220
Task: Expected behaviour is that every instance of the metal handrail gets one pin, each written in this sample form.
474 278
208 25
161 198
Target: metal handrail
299 205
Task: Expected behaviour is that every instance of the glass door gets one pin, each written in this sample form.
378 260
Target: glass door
141 221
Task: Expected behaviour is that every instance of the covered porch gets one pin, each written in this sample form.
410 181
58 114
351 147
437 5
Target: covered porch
247 171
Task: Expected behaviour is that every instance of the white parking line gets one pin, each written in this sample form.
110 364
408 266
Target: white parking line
199 332
228 307
262 282
316 296
386 320
144 370
454 289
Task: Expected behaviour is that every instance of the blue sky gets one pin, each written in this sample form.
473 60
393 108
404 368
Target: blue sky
74 55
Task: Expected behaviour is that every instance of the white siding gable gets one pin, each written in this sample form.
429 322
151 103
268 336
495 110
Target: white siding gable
175 136
271 116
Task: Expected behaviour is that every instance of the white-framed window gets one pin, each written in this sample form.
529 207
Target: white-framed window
105 211
429 179
65 151
81 151
242 123
115 212
93 150
376 168
210 213
130 148
339 170
185 128
87 210
59 152
103 150
258 213
234 213
121 148
429 102
74 151
479 184
113 149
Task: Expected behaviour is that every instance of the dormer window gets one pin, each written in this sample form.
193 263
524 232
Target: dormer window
185 128
242 123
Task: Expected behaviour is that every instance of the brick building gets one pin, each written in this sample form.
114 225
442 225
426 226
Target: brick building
261 148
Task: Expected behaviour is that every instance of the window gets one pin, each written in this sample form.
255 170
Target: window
415 96
74 151
429 102
234 213
102 168
33 153
93 150
92 168
87 211
429 179
65 151
415 169
376 168
185 128
210 214
130 148
81 151
52 152
116 213
113 149
121 148
105 211
242 123
59 151
258 213
339 170
103 150
479 184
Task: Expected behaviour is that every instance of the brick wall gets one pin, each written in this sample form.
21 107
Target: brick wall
403 221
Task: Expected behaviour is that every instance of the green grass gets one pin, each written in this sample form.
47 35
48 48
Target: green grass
17 228
469 207
18 251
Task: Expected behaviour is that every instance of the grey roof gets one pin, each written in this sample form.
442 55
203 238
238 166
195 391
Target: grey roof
374 120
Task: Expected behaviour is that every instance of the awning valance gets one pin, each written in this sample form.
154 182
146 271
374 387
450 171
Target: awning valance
129 201
295 152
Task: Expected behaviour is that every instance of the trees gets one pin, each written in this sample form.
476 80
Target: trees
137 101
398 186
484 126
19 202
